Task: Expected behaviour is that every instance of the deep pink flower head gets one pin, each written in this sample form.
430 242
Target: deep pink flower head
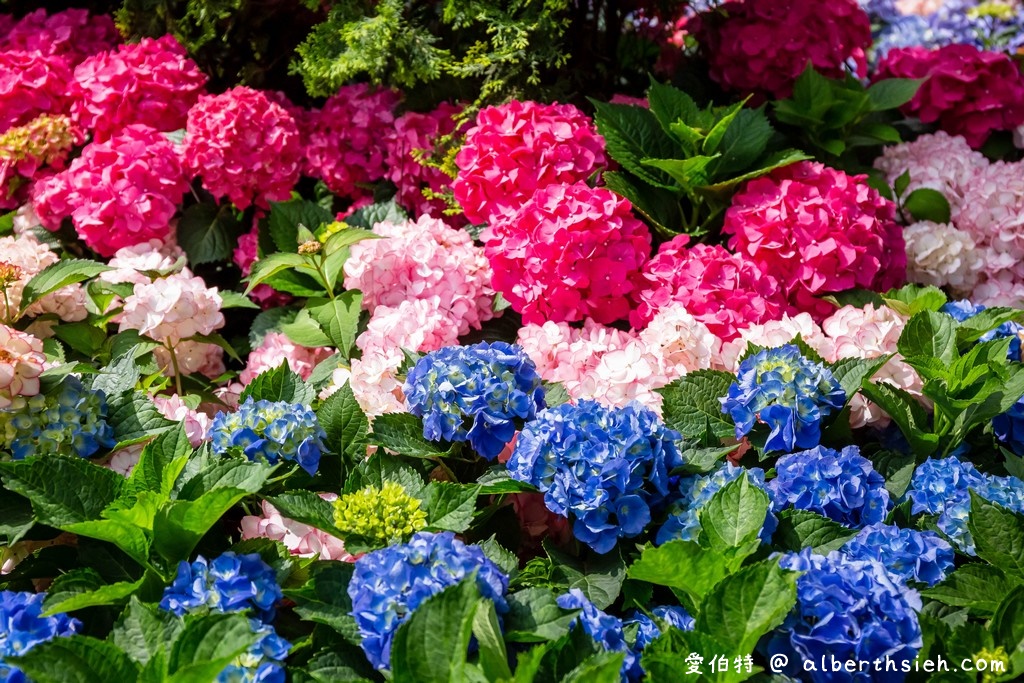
415 133
343 139
518 148
969 92
762 46
245 146
570 252
724 291
152 82
119 193
72 34
818 231
31 84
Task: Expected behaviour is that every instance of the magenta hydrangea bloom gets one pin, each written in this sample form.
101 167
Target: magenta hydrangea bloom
819 231
118 193
31 84
245 146
969 92
726 292
343 138
762 46
152 82
415 133
73 34
518 148
570 252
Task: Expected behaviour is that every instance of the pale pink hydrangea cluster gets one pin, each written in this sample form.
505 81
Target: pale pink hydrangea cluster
118 193
27 256
518 148
939 161
300 539
124 460
775 333
21 362
423 259
152 82
73 34
414 134
245 146
31 84
568 253
197 423
277 348
342 140
133 264
944 256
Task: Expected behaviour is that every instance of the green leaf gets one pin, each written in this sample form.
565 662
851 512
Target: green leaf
534 616
691 404
161 461
339 319
307 507
602 667
600 577
180 524
333 666
268 266
63 490
898 470
125 535
403 434
632 134
305 331
450 507
748 604
906 412
224 473
431 646
800 529
851 373
143 630
912 299
665 661
285 218
493 656
84 587
764 166
134 417
998 535
324 598
117 378
893 93
344 422
208 641
926 204
278 384
681 565
688 173
743 142
734 517
58 275
76 659
230 299
507 560
83 337
660 207
208 233
929 333
369 216
1008 628
670 104
381 467
977 325
976 586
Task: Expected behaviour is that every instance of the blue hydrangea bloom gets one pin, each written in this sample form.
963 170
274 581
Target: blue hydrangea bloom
1009 427
908 554
263 662
230 583
69 420
271 431
696 491
22 627
789 393
961 310
905 31
841 485
847 609
604 629
481 394
606 467
648 630
389 584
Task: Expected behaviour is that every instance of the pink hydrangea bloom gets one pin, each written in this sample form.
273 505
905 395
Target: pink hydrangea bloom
939 161
968 92
173 308
245 253
624 375
922 8
343 139
23 257
774 333
21 362
680 342
124 460
72 34
339 378
197 424
724 291
569 252
191 357
244 146
423 259
619 98
375 384
1002 288
119 193
992 213
151 82
819 231
131 264
762 46
413 134
31 84
942 255
278 348
566 354
518 148
417 325
300 539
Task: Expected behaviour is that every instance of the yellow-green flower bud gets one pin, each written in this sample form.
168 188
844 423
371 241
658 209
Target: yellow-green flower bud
380 516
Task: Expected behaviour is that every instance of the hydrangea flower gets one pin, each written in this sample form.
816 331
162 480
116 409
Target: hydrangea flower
380 515
33 150
389 584
648 630
569 252
173 308
908 554
31 84
414 134
272 431
789 393
300 539
819 231
696 491
21 362
69 420
841 485
263 662
244 145
1009 427
22 627
495 385
939 161
991 214
943 256
197 424
73 34
604 629
773 333
846 609
277 348
229 583
605 468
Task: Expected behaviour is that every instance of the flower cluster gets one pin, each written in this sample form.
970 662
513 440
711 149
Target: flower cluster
846 609
73 34
69 420
389 584
789 393
773 333
604 629
517 148
21 362
820 231
942 255
276 348
174 308
495 386
31 85
22 258
841 485
908 554
197 424
648 631
379 515
606 467
23 626
263 662
568 252
229 583
300 539
939 161
271 431
245 146
30 151
1009 426
411 142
